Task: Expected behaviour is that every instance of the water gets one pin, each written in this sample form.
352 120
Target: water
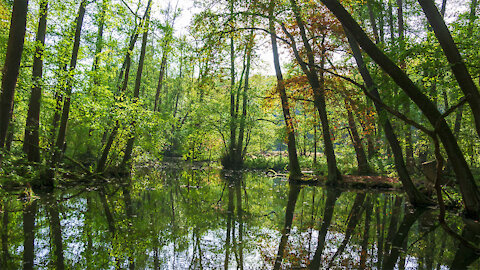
193 218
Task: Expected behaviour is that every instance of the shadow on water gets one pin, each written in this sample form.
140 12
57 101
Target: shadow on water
202 218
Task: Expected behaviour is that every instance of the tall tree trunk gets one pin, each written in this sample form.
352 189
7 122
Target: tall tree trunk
136 92
166 49
315 140
293 166
457 65
414 196
121 89
241 132
229 160
11 67
318 87
468 188
381 22
96 61
62 131
31 141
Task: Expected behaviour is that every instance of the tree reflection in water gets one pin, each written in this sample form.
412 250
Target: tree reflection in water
196 218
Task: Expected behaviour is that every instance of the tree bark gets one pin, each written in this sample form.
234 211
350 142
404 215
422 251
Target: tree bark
318 87
11 67
294 166
125 69
31 140
390 23
6 257
241 131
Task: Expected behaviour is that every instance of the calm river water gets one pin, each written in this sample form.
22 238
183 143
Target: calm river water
191 218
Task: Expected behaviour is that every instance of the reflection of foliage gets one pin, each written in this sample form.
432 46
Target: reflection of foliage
180 214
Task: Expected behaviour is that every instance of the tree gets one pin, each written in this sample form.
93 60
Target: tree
468 188
415 197
457 65
318 86
136 91
62 131
294 166
31 140
12 65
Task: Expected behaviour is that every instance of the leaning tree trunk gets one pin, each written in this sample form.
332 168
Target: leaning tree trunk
126 162
457 65
293 166
11 67
62 131
30 142
121 89
414 196
468 188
